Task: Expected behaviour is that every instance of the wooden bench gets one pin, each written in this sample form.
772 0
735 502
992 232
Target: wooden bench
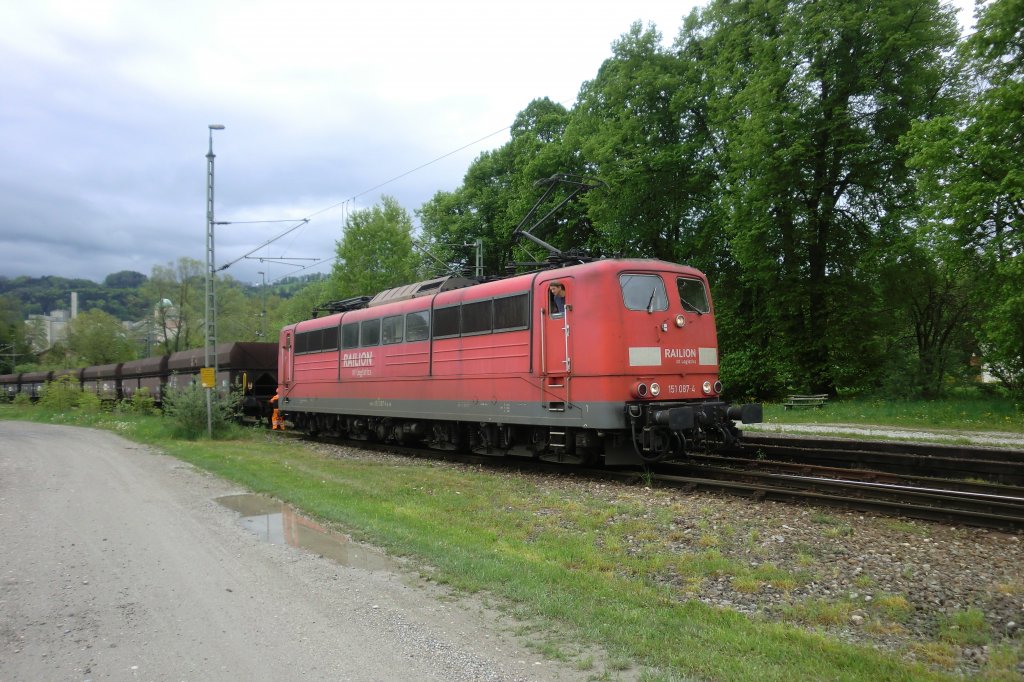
806 401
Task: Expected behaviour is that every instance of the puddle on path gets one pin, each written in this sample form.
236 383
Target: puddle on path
279 524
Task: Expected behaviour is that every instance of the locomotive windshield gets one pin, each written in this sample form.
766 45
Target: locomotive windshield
643 292
692 295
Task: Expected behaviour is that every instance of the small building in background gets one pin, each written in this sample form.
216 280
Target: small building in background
46 330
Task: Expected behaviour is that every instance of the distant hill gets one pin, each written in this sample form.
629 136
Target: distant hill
119 294
289 286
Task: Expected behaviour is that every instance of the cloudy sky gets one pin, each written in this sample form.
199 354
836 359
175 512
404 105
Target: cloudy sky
106 105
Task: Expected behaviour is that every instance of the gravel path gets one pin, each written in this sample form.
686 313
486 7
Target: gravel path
117 564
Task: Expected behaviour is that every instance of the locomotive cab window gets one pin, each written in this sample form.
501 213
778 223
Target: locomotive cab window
309 342
301 343
643 292
316 341
693 296
556 299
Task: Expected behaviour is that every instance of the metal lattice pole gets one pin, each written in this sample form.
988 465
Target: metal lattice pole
211 297
210 345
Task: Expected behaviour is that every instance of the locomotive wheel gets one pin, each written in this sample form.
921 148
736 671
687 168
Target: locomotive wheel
307 425
450 436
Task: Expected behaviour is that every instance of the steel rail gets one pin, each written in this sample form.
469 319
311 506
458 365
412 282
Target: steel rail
1002 511
998 465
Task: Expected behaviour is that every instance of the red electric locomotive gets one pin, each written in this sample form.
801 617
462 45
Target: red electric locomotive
613 359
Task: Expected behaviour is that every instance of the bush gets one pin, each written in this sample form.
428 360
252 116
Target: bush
186 408
89 403
141 402
60 395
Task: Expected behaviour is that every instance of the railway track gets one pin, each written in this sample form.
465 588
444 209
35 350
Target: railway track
990 506
994 465
793 472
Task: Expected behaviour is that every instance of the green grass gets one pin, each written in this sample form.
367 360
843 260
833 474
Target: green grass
975 414
592 571
496 534
965 628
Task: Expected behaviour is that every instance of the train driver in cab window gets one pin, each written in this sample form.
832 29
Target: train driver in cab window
556 299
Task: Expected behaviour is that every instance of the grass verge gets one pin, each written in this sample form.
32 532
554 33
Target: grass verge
547 556
966 414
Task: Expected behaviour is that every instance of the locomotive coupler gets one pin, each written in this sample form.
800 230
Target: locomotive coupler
675 418
750 413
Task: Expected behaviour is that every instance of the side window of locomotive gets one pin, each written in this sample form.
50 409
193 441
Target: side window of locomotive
692 295
369 333
446 322
417 326
330 341
643 292
391 329
512 312
350 335
476 317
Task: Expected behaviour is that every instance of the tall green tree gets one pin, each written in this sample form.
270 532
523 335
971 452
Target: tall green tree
98 338
927 334
14 344
538 154
640 126
238 314
970 165
498 191
375 252
176 293
806 103
301 305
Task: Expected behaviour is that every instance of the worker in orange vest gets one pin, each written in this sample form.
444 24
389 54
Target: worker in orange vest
277 423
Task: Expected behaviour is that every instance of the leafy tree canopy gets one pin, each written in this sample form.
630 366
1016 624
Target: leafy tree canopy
375 252
98 338
126 279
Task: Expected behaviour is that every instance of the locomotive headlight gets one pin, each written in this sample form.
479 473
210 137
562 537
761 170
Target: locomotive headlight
655 389
707 387
680 321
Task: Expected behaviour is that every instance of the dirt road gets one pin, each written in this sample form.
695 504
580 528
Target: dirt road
117 563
